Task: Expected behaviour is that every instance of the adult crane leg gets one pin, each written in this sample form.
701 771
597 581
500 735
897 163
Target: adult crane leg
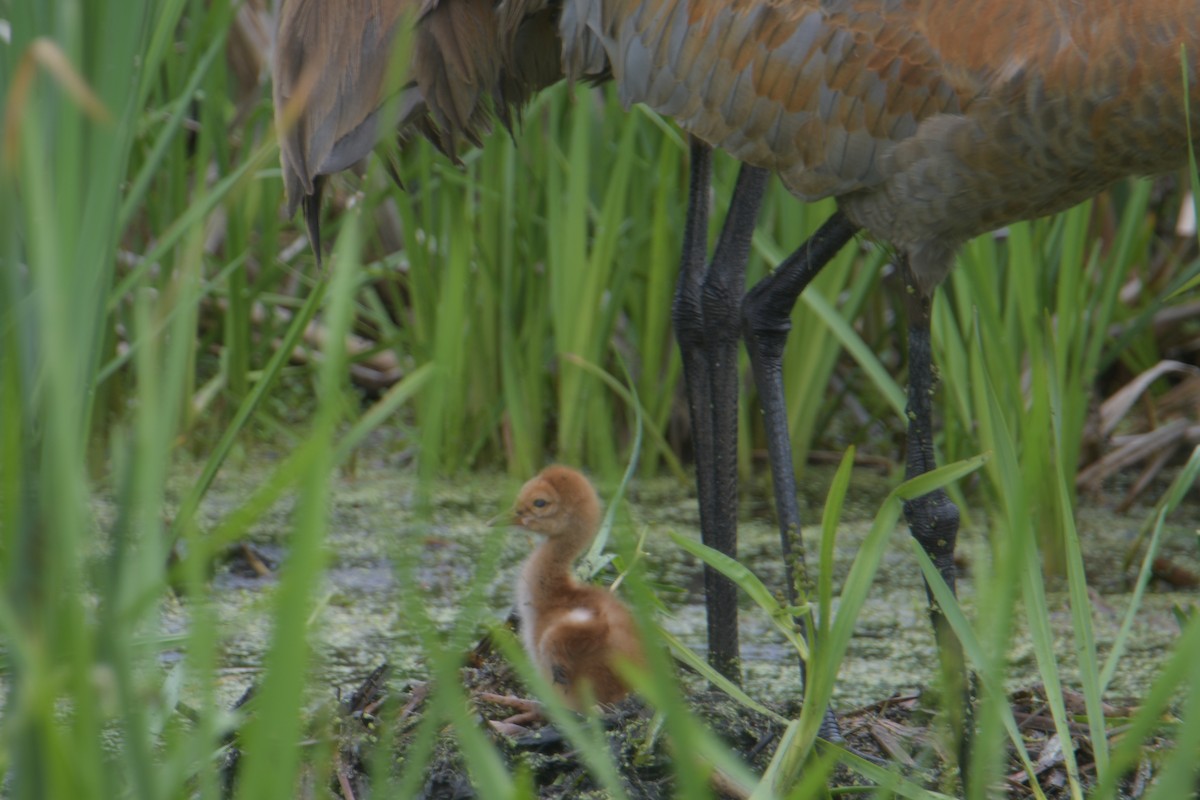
766 320
704 315
933 518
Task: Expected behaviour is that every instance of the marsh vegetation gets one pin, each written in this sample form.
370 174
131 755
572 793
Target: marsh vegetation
179 383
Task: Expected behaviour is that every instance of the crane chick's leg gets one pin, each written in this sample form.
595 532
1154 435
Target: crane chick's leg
705 318
932 518
766 320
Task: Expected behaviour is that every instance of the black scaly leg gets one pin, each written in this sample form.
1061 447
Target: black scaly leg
933 518
705 317
766 320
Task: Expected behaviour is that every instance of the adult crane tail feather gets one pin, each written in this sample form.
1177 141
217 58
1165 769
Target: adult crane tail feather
331 81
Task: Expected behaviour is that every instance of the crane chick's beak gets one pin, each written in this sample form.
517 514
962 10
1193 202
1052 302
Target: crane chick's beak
505 519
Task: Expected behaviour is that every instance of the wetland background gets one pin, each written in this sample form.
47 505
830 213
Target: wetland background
178 378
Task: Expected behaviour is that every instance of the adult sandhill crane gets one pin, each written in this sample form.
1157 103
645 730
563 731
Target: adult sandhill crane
930 121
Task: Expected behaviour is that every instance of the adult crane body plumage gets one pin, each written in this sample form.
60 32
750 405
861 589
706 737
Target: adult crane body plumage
930 121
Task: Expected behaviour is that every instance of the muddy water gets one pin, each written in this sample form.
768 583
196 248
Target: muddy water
382 526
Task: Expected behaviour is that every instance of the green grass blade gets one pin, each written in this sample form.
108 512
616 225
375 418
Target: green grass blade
858 350
749 583
272 737
890 781
976 655
823 667
247 408
378 413
830 517
629 397
136 196
1183 484
1180 669
686 655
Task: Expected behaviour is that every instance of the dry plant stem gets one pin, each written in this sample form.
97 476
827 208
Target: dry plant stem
256 563
419 693
726 786
518 703
344 784
1147 475
378 370
1131 451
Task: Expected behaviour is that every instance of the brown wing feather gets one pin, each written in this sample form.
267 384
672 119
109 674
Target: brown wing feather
532 62
329 67
331 71
806 88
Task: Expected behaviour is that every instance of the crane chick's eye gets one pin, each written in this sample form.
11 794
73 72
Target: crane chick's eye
540 503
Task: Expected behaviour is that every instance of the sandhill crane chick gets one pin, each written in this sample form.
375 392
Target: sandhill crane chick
575 633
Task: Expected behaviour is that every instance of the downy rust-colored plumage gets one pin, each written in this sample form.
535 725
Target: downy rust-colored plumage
574 632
